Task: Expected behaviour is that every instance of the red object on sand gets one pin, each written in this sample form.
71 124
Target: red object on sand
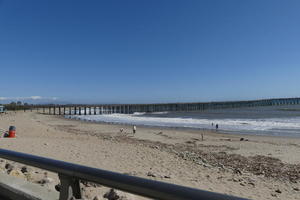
12 132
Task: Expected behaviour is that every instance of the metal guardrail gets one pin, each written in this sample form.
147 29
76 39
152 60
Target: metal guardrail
71 174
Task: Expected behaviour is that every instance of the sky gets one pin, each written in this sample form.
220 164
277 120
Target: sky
149 51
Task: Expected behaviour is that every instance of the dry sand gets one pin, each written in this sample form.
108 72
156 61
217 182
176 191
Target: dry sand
260 168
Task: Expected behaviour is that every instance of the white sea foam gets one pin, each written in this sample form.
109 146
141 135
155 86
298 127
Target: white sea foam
270 124
153 113
139 113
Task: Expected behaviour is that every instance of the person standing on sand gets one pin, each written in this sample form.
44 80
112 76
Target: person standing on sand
134 129
217 126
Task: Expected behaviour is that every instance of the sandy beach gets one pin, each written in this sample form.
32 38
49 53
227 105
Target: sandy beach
255 167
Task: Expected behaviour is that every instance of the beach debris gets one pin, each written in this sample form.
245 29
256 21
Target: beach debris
9 167
24 169
90 184
257 165
190 142
273 195
29 177
195 157
243 139
278 191
167 176
2 164
296 189
225 139
251 183
151 174
45 180
156 147
233 179
237 171
17 173
57 187
111 195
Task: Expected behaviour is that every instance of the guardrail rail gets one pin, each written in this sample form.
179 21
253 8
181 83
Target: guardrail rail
71 174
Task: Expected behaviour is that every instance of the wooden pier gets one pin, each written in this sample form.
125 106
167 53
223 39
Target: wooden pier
167 107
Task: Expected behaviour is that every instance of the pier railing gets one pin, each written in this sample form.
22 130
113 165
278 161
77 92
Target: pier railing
70 176
163 107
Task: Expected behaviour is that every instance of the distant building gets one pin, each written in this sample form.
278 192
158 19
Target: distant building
2 109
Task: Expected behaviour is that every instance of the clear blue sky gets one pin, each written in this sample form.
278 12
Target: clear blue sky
149 50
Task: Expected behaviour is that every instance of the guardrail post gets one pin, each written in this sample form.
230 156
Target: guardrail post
70 187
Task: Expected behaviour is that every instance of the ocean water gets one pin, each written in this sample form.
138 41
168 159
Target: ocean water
271 120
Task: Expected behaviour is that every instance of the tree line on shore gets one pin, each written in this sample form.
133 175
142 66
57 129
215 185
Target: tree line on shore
17 106
14 106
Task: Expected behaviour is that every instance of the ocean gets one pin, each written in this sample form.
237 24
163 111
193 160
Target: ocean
270 120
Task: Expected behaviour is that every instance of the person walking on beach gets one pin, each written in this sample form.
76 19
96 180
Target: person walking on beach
217 126
134 129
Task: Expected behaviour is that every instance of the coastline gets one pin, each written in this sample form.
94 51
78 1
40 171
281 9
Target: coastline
212 132
283 126
220 163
